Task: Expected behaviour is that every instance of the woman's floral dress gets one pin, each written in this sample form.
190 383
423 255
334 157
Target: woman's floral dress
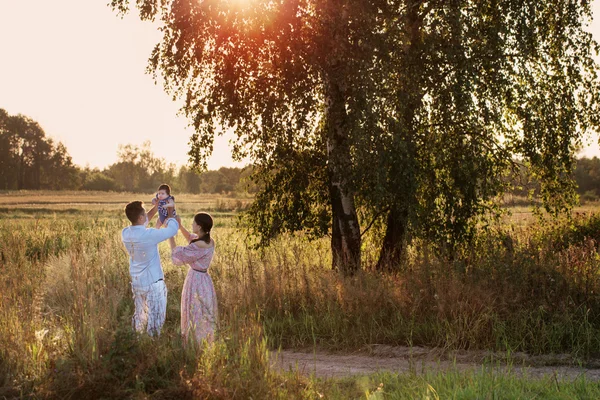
198 300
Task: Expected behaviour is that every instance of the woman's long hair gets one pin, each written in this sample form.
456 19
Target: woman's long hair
204 221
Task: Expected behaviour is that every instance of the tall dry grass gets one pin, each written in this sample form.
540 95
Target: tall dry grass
65 327
65 307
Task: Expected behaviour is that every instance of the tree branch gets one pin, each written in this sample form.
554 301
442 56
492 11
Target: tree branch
374 219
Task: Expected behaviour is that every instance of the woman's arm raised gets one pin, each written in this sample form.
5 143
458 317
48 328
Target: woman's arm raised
172 244
186 234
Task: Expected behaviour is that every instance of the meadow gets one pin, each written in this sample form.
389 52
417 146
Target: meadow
65 307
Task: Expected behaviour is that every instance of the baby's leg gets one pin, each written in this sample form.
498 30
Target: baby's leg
158 224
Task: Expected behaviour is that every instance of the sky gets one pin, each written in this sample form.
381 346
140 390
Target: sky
78 69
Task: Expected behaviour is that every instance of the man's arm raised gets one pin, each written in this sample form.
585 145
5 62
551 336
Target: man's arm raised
170 230
152 212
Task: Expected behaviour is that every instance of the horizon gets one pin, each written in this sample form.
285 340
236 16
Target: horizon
71 72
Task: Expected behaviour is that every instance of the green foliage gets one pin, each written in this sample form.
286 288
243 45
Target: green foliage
561 235
188 181
222 181
290 199
589 196
587 177
101 182
417 110
484 383
138 169
490 83
29 159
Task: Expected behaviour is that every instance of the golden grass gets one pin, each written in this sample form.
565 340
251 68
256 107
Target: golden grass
65 304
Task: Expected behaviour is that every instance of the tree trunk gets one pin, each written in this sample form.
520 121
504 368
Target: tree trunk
394 242
21 173
345 239
390 257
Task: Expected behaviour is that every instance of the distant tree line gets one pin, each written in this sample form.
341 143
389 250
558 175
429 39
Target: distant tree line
138 170
30 160
586 178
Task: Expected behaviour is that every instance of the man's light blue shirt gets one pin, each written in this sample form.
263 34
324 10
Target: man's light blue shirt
142 245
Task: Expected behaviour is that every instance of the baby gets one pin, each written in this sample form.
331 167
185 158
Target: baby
163 198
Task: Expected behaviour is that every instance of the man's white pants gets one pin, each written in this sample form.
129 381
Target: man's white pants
150 307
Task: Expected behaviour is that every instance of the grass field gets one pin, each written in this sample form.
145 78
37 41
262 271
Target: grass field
65 307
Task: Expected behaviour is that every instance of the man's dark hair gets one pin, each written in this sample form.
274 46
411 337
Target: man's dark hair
166 188
133 211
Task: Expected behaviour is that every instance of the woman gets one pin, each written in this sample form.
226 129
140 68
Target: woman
198 299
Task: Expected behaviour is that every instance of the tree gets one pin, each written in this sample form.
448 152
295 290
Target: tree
29 159
188 180
282 74
96 180
139 170
59 172
245 183
408 111
478 86
587 175
5 152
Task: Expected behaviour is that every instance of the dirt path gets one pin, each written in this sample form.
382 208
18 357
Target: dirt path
404 359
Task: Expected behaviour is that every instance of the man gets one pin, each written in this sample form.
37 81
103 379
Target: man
147 279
